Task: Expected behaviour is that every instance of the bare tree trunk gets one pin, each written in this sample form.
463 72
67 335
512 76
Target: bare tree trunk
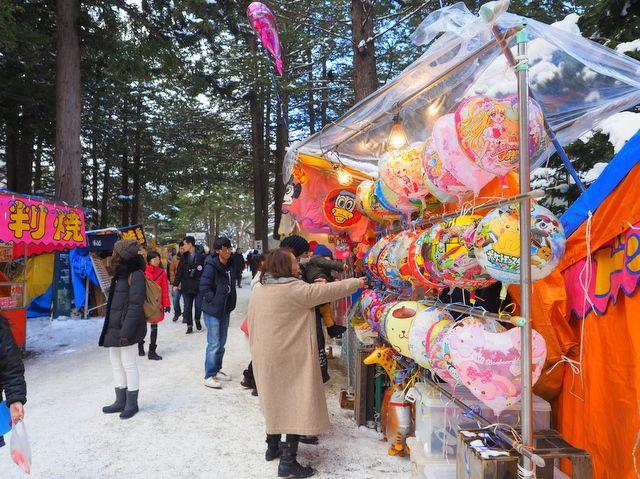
324 103
260 210
11 152
124 166
310 100
282 140
68 179
137 163
364 54
95 169
37 169
217 224
25 156
104 207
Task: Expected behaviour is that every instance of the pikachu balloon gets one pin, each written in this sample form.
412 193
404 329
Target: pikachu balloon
497 243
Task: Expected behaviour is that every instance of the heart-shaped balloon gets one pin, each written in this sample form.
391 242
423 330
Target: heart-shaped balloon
488 132
401 171
442 184
488 363
398 324
420 327
454 160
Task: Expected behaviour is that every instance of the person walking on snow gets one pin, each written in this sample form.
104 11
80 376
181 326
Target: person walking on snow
125 325
157 274
292 397
175 293
188 280
237 259
218 290
12 381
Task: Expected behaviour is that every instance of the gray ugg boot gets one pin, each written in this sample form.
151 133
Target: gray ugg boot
131 408
118 406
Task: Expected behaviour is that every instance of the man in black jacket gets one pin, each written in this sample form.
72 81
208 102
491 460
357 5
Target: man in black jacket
188 280
237 259
218 290
11 374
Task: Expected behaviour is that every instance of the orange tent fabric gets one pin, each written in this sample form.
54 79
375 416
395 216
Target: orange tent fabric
599 409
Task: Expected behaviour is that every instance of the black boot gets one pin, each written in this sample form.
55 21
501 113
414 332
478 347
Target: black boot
247 380
289 466
118 406
198 325
131 408
189 330
153 355
274 447
141 348
175 318
336 330
309 440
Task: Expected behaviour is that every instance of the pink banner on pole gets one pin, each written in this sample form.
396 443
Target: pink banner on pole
45 225
615 268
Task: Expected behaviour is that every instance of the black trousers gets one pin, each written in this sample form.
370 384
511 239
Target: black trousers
191 301
153 339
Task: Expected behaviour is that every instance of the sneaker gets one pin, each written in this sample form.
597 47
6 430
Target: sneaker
222 376
213 383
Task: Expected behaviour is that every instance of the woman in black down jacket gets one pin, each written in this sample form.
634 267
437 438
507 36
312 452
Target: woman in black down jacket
125 325
11 374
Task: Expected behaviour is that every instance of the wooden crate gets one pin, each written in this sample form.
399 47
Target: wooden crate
549 445
364 388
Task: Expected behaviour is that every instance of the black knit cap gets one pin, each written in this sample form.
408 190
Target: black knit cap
298 244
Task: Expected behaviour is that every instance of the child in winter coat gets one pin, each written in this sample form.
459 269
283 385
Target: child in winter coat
320 266
156 273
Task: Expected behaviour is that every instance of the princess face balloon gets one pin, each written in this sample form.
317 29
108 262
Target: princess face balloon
497 243
488 132
442 184
402 172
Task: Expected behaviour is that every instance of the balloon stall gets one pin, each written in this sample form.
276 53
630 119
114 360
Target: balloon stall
439 211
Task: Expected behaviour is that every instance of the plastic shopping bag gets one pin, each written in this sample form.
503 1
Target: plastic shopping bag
245 326
20 448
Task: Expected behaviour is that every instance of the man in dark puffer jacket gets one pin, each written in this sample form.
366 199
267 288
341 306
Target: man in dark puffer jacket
218 290
11 374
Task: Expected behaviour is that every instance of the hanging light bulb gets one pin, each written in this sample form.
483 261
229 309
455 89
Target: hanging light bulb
344 177
397 136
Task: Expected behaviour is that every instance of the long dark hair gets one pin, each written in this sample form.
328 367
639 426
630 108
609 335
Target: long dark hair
278 264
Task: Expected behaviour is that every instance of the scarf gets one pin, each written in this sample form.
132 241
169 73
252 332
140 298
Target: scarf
268 279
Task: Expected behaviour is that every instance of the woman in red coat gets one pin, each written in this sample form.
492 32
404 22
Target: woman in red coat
158 275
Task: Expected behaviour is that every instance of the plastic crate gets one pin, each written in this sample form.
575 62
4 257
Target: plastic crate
438 418
440 471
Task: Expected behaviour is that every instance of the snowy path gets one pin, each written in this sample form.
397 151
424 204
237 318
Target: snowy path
183 430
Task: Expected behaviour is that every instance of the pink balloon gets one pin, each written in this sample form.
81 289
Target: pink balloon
442 184
488 363
454 159
264 24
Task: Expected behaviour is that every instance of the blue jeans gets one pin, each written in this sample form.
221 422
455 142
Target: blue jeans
177 310
217 329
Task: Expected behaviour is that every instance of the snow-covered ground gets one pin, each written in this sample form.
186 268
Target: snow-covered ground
183 430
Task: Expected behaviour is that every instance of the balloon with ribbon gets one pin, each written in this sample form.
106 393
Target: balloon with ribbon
497 243
453 256
369 205
435 346
420 327
418 252
442 184
395 203
488 363
401 171
454 160
399 320
487 131
263 23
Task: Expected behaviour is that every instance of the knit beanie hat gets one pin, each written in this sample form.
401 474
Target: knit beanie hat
322 250
298 244
126 249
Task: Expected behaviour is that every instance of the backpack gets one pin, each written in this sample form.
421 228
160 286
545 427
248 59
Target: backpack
152 305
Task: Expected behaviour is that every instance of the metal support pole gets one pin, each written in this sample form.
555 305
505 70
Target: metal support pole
522 70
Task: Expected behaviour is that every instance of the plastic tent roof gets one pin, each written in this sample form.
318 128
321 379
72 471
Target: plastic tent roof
609 179
577 83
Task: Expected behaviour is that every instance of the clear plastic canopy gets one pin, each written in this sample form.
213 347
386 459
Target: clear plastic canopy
576 82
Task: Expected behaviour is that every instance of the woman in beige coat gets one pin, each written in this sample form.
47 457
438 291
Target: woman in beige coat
284 348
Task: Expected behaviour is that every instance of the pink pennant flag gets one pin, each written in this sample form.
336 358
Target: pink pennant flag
263 23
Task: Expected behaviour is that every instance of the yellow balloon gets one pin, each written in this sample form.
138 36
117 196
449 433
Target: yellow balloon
399 320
